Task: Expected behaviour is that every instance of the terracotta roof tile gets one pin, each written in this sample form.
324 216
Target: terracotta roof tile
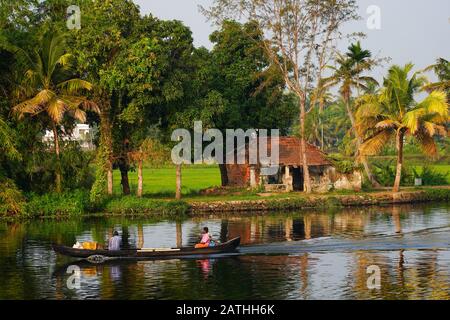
290 153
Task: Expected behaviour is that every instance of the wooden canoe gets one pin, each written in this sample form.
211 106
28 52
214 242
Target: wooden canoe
145 253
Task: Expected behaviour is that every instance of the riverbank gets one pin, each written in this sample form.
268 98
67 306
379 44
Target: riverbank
299 201
77 204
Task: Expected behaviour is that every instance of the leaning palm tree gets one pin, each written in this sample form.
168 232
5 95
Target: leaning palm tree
54 93
348 75
394 114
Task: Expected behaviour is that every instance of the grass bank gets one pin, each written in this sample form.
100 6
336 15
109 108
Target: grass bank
158 199
77 204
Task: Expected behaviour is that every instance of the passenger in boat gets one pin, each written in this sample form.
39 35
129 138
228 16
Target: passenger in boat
115 242
205 239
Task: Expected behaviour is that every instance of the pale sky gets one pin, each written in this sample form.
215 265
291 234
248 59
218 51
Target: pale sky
411 30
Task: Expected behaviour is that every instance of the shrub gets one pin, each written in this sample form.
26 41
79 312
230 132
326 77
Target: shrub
343 165
437 194
58 205
12 201
430 177
132 205
385 173
76 167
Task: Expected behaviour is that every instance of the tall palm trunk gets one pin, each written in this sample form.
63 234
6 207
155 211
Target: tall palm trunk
178 191
359 142
398 174
306 177
140 179
58 178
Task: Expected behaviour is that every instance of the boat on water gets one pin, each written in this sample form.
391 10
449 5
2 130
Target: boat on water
101 255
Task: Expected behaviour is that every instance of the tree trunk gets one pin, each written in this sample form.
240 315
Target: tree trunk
223 174
322 139
58 179
178 191
124 175
109 179
359 142
140 180
398 174
306 177
106 141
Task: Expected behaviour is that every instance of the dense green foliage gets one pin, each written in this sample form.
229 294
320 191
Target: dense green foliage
58 204
134 78
135 206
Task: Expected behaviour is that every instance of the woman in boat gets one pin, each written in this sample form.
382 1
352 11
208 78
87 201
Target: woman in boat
205 239
115 242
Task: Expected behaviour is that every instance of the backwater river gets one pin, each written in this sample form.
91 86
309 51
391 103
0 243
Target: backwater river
304 255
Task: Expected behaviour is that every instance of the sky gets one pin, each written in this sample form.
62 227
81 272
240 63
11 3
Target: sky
415 31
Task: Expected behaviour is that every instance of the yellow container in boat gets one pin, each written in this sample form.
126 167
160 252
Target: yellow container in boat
90 245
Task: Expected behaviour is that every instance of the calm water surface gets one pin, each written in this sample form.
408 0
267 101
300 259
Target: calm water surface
308 255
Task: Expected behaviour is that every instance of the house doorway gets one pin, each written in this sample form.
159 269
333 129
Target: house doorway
297 181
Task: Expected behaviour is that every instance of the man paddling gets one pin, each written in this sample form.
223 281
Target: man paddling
115 242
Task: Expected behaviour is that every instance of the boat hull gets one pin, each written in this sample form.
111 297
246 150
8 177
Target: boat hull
228 246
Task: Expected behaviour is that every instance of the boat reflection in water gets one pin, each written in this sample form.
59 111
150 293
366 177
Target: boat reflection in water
309 255
206 266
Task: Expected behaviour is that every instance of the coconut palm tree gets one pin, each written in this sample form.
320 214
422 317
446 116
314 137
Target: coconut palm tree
54 92
348 75
442 69
393 113
321 97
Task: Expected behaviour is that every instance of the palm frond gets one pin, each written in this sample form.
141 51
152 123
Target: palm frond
91 106
426 143
388 123
368 106
79 115
73 86
429 128
65 60
56 109
375 144
34 105
442 85
411 119
436 103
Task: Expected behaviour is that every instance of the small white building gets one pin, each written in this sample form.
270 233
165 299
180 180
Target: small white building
82 133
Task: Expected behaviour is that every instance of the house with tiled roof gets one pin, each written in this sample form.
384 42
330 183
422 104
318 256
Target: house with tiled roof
287 174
